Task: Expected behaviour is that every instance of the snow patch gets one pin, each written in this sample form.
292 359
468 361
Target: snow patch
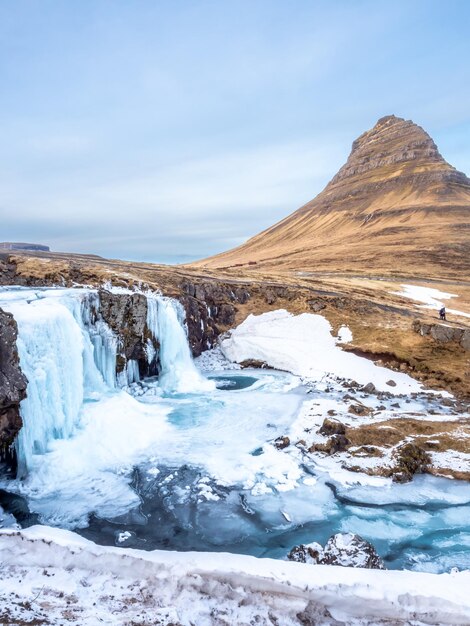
303 345
431 298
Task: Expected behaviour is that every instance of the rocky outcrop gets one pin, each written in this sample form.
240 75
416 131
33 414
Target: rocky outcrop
410 459
210 309
334 444
443 333
332 426
344 549
12 383
126 315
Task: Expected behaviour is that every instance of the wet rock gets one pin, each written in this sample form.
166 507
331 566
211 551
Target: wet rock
13 383
282 442
343 549
226 314
332 427
210 310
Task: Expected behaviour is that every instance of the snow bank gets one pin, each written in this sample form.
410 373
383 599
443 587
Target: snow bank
60 577
303 345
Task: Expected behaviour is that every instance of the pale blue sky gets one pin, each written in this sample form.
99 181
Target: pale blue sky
163 131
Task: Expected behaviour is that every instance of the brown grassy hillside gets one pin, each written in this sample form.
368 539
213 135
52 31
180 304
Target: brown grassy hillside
396 207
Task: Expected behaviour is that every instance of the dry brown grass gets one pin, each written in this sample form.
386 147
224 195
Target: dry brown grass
381 322
446 435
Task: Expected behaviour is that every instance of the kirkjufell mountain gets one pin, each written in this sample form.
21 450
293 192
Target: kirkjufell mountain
395 207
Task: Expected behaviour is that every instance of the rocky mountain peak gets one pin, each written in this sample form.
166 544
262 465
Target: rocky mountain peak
393 141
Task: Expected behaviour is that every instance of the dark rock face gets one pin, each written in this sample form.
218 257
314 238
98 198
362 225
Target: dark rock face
344 549
12 383
126 315
210 309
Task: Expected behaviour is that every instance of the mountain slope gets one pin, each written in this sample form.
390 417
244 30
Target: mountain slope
396 206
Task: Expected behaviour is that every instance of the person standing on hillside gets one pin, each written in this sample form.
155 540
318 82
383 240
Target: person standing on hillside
442 313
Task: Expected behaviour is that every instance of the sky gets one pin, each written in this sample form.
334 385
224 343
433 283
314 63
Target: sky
170 131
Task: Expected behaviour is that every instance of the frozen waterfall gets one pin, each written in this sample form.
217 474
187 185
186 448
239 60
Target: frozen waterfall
165 319
68 354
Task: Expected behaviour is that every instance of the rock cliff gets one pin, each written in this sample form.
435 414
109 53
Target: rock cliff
12 384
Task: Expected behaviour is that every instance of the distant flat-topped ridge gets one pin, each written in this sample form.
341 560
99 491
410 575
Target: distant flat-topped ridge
15 245
396 202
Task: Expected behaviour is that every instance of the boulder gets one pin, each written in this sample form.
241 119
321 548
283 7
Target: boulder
410 459
332 427
391 383
253 363
343 549
350 550
443 334
359 409
369 388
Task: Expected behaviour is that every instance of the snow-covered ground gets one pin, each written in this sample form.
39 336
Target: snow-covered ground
430 298
202 470
53 577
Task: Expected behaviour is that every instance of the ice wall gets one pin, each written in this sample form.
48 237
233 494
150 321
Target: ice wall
66 358
68 354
